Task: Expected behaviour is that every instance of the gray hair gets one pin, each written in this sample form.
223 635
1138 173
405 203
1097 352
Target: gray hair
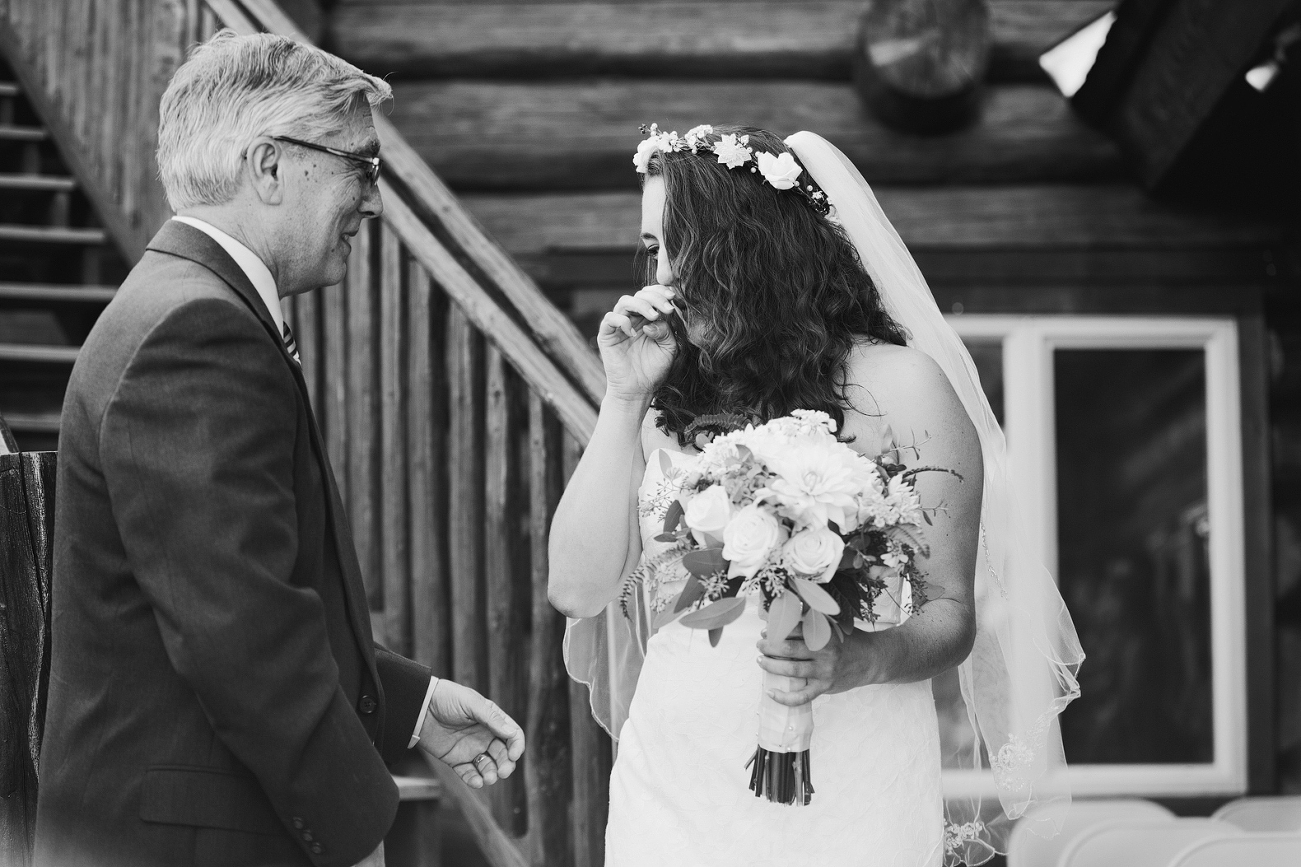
235 88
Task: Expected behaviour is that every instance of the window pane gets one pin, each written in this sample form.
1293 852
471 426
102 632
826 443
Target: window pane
1132 552
988 355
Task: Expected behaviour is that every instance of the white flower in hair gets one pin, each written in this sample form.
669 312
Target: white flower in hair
695 137
733 152
779 171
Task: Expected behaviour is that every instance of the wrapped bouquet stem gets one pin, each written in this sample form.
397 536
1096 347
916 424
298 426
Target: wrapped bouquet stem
820 535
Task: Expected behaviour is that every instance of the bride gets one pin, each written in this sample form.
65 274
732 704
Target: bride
779 285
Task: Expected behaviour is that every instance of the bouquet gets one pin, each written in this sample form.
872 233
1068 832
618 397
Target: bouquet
817 533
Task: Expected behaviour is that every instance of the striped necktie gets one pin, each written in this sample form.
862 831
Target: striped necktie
291 345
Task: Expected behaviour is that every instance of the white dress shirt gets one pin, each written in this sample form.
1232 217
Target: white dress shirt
260 276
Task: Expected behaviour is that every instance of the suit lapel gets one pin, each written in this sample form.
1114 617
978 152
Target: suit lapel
179 239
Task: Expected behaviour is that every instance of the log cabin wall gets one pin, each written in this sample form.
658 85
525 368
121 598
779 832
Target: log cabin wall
530 109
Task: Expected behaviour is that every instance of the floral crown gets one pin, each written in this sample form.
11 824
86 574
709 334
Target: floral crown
779 171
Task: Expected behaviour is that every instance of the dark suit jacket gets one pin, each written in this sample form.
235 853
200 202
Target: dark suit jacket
215 693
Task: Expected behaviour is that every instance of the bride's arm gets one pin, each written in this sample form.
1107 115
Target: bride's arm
594 539
906 390
594 534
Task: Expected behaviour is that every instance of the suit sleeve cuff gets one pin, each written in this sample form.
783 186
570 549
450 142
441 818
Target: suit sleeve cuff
424 712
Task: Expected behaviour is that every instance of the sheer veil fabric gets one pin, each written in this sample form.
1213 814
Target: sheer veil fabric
1021 673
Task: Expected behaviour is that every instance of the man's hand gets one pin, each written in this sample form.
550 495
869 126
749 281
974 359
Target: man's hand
461 726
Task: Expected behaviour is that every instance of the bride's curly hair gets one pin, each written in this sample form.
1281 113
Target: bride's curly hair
778 291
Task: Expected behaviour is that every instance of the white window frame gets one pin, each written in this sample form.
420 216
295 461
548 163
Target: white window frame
1029 421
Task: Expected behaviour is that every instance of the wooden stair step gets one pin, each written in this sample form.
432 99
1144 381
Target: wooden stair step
36 354
808 39
55 294
52 235
582 134
1106 217
32 422
37 183
23 133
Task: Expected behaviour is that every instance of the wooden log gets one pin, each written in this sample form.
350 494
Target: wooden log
465 377
940 218
363 412
27 486
919 64
575 408
548 769
506 584
593 755
394 535
581 134
427 482
811 39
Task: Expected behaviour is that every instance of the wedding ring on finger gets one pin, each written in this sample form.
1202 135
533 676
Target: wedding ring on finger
482 757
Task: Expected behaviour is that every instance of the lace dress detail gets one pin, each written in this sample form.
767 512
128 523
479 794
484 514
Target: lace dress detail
679 795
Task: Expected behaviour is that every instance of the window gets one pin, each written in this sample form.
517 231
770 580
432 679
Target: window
1124 435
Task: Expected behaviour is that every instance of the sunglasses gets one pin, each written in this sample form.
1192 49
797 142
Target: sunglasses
372 164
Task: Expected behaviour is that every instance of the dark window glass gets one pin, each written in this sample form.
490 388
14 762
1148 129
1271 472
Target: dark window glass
1132 552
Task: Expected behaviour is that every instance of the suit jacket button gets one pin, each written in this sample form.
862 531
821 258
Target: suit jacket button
307 836
316 849
366 704
299 824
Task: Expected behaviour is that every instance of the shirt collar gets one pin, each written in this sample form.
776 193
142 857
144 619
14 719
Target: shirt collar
254 268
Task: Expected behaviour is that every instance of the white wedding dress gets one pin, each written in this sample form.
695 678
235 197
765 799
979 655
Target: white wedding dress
679 794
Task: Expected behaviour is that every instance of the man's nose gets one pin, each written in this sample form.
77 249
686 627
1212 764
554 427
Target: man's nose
372 204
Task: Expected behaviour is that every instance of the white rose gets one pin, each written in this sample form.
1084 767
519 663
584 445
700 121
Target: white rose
814 553
644 152
748 540
709 512
780 171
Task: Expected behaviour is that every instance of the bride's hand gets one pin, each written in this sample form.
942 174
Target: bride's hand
637 346
829 670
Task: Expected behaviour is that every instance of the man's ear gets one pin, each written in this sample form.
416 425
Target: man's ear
266 170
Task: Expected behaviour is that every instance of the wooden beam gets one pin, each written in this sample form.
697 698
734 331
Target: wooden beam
936 218
811 39
581 134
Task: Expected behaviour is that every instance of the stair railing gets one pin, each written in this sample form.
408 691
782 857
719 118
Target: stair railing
454 398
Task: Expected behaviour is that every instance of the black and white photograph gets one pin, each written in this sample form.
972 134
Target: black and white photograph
650 433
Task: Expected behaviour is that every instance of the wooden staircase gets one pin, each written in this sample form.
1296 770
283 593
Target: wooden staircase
58 268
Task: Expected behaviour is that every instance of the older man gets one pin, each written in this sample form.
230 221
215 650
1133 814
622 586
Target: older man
216 696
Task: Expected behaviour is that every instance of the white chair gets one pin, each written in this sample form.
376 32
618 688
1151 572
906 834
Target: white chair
1281 813
1025 848
1138 843
1248 850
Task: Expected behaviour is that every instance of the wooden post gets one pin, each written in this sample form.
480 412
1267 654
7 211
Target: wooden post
592 752
26 552
465 507
427 446
394 388
548 773
505 576
363 413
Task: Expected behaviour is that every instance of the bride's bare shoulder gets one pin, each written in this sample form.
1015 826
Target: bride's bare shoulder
904 388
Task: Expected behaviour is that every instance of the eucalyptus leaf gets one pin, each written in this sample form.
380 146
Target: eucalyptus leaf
674 516
783 614
667 537
714 636
817 598
704 561
690 595
817 631
666 463
716 615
